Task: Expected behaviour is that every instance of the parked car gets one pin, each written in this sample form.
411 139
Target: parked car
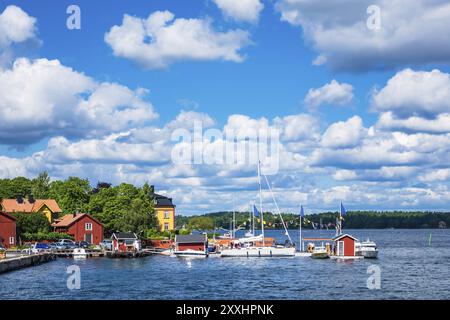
40 247
65 244
83 244
106 245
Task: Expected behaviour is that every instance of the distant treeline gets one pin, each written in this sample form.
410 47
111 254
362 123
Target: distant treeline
353 220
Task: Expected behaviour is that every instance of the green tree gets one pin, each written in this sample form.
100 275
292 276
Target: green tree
41 186
72 194
31 223
201 223
124 208
12 188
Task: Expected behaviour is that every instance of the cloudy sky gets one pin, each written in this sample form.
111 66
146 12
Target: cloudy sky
361 101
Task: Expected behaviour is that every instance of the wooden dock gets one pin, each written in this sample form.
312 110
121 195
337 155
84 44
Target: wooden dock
130 254
68 253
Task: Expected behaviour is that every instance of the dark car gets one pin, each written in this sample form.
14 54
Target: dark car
83 244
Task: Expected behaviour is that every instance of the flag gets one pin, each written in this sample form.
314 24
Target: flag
302 212
343 212
255 211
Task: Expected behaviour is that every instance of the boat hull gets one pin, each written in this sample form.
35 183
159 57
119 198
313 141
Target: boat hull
258 252
191 254
320 255
369 254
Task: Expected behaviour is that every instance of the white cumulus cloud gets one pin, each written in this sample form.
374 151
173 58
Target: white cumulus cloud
412 32
16 26
161 39
241 10
43 98
333 93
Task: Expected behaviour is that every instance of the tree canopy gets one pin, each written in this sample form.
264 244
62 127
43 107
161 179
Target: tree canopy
120 208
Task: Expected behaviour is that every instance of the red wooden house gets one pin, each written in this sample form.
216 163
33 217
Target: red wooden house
197 242
7 230
344 245
81 226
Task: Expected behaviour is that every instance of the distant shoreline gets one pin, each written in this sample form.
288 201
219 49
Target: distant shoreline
353 220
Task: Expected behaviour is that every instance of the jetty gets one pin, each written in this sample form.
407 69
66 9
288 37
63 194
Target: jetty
131 254
68 253
24 261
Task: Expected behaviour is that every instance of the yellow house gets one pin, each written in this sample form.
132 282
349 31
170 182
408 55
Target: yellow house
165 212
48 207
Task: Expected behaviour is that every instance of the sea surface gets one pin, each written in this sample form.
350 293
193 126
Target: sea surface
410 268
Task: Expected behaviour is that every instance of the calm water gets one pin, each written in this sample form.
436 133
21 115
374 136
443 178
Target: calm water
410 269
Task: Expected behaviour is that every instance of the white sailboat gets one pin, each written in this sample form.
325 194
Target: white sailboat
247 246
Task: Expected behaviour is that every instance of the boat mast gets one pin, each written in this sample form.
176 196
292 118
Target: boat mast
260 200
252 216
300 243
233 233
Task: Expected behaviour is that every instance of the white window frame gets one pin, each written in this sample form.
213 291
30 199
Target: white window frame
88 226
166 226
166 214
12 240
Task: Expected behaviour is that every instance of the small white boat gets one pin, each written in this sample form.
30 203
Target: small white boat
320 253
79 253
167 252
367 249
258 252
191 254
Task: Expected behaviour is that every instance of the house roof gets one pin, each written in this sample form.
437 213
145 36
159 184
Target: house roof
191 238
162 201
69 219
8 216
343 236
124 235
12 205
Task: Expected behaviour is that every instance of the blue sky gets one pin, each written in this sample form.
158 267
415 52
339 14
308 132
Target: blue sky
368 125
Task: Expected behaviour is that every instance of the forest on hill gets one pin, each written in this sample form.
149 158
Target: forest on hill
353 220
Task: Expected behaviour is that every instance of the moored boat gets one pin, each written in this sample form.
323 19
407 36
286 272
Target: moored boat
189 253
79 253
367 249
320 253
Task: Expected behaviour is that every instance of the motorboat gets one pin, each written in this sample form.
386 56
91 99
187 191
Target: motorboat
189 253
320 253
367 249
79 253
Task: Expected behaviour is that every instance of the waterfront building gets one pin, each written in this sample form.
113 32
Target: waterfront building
194 242
165 212
344 245
47 207
7 230
125 242
82 226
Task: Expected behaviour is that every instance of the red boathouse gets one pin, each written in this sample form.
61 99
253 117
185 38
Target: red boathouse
81 226
344 245
7 230
197 242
